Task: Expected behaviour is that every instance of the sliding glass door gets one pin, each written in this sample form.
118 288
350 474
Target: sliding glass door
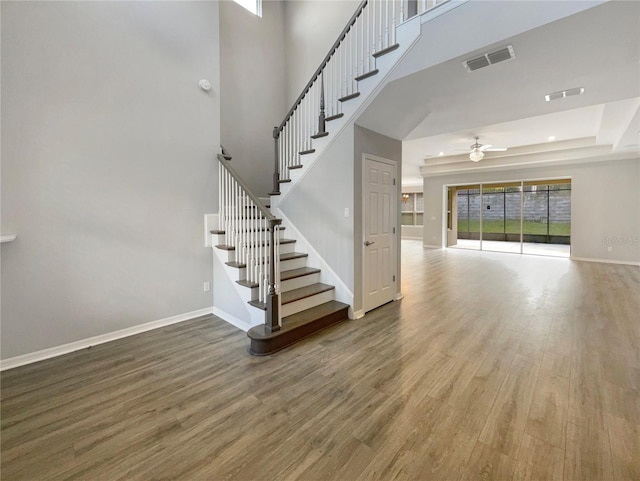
530 217
501 217
468 217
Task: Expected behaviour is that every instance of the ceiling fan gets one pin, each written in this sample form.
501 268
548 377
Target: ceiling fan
477 150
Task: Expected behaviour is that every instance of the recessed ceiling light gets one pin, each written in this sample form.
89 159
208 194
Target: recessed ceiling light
441 154
552 138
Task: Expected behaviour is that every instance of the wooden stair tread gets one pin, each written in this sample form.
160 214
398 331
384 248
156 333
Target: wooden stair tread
284 276
304 292
294 273
334 117
225 247
320 134
283 257
292 255
293 167
296 326
284 181
296 294
349 97
385 51
305 152
371 73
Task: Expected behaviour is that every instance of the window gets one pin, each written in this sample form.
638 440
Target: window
541 209
254 6
412 208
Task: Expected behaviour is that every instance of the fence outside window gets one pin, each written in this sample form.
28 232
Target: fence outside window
542 211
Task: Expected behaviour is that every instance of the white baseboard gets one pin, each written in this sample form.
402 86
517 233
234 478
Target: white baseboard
399 296
429 246
605 261
234 321
359 314
408 237
32 357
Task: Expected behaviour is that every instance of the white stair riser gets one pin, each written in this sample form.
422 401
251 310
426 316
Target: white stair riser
246 223
231 255
284 266
298 282
291 264
218 239
307 303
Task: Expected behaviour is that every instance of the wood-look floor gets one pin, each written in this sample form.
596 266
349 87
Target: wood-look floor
493 366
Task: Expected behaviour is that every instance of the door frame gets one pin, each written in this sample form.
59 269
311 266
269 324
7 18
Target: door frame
395 209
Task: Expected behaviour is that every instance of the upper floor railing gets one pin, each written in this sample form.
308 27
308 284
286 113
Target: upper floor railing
369 33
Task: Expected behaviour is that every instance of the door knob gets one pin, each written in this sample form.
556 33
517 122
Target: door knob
367 243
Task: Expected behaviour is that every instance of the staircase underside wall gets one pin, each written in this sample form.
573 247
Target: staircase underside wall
318 205
227 301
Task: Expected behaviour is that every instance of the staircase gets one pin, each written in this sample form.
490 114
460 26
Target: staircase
269 274
286 299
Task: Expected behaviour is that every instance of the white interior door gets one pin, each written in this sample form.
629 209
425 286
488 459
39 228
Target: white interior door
379 209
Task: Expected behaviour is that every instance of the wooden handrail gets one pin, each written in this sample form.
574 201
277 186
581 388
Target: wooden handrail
224 153
273 220
345 31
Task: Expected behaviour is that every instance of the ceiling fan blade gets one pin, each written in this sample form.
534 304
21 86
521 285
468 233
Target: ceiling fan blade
496 149
485 147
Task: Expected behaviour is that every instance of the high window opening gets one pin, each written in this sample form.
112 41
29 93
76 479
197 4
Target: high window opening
254 6
530 217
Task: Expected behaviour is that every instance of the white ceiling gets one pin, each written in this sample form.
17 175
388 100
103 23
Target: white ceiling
442 108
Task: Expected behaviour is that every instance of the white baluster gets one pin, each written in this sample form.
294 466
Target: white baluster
227 229
232 212
345 50
220 206
327 85
393 23
386 22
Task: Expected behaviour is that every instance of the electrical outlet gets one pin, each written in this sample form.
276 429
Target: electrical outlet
207 287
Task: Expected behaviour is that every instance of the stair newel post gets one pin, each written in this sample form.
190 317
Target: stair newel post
321 118
272 319
276 164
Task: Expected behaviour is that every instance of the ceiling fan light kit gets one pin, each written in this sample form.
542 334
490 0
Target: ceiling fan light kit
476 155
478 150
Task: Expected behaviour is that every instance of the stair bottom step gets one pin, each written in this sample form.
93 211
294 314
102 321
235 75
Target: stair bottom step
296 327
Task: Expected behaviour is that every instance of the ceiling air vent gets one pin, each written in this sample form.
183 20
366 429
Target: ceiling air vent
490 58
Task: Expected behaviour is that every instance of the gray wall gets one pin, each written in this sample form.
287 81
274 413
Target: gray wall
253 80
370 142
316 206
107 165
311 28
605 205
